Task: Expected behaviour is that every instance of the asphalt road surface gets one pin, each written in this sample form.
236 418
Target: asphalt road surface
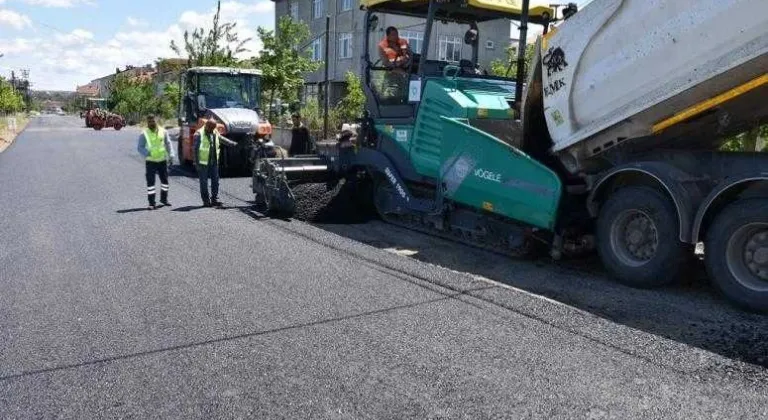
111 311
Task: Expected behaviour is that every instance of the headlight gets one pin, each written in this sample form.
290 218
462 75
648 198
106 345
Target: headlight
265 129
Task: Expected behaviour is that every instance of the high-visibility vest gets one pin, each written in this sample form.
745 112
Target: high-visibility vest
156 145
204 152
393 53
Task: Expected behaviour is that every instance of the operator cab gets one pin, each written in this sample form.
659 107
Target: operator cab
396 94
205 88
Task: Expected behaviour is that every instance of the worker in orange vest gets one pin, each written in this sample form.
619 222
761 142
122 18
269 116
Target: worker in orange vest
394 51
396 56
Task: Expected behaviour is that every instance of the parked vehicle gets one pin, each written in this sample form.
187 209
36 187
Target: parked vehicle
613 145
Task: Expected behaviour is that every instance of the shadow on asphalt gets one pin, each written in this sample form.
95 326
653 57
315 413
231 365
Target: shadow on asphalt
689 312
177 171
188 208
134 210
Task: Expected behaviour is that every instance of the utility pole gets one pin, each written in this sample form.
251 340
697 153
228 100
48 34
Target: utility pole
521 56
327 98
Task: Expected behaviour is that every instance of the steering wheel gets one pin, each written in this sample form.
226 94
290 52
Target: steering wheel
450 67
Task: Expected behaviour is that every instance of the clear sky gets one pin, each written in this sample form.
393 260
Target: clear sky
65 43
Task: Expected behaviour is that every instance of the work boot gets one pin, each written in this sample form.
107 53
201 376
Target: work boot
164 198
217 203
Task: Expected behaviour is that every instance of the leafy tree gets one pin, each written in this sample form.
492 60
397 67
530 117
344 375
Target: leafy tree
10 99
351 105
508 66
133 97
169 101
748 141
219 46
283 61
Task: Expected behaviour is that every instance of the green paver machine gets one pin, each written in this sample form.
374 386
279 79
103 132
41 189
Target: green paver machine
609 142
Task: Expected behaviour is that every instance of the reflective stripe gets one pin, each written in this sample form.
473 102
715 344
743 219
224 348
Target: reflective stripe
151 193
164 187
150 188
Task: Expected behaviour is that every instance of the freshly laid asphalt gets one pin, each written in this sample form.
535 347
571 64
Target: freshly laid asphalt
111 311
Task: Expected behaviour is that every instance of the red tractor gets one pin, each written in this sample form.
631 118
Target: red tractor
99 118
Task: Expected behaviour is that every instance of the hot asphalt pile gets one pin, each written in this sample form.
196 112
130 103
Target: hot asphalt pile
342 203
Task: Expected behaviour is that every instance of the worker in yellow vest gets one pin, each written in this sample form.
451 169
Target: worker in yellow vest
207 143
155 146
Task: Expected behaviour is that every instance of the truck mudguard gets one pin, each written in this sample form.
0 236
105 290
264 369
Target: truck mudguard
728 184
680 186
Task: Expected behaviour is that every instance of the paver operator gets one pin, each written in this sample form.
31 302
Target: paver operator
396 55
207 163
155 146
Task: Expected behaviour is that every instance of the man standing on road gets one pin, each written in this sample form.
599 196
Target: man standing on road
155 146
300 143
208 163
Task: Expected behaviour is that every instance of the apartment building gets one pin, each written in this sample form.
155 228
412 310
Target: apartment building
346 43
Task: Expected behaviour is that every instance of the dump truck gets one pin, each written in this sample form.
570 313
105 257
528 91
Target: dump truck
608 143
229 96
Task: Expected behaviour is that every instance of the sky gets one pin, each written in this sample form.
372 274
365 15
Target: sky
66 43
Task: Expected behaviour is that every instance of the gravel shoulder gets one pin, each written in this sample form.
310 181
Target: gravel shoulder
7 133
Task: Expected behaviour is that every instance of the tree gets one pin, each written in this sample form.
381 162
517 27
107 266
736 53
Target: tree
218 47
283 60
169 101
748 141
508 66
10 99
134 97
351 105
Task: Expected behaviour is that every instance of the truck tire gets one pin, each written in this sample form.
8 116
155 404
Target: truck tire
637 238
736 253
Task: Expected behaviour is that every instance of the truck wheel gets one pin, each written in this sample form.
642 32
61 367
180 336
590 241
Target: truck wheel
736 253
637 238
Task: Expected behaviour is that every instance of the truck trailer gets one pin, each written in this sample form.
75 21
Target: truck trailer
609 142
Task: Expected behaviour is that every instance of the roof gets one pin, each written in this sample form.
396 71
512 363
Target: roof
232 70
91 89
539 11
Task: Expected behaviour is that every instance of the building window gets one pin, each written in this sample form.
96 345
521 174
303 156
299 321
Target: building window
415 40
489 45
318 8
345 45
450 48
347 5
317 50
311 92
295 10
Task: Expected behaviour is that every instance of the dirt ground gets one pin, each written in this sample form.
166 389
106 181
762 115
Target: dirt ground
7 135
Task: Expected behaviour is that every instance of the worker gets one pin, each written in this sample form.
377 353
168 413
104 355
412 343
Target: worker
207 163
394 51
155 146
396 55
300 143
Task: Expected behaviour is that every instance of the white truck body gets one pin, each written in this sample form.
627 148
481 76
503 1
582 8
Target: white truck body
618 67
